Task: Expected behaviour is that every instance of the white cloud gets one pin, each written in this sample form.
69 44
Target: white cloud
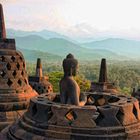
112 17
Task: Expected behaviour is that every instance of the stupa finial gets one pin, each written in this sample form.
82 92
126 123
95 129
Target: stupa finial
103 71
39 68
2 24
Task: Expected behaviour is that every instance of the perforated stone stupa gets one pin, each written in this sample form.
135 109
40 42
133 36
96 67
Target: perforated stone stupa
39 82
47 118
15 91
103 85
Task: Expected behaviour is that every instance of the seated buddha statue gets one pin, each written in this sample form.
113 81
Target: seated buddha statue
69 89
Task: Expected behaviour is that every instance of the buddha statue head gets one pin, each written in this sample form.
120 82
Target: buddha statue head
70 65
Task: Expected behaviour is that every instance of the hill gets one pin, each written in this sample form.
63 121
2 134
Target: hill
32 55
62 47
46 34
129 48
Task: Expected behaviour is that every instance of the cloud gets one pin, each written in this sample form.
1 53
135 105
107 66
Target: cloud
25 15
67 16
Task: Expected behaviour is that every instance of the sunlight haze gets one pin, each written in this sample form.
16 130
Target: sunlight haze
81 18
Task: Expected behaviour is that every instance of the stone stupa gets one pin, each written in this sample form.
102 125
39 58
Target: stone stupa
103 85
39 82
15 91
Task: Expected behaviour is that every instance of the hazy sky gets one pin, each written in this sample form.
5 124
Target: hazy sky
118 18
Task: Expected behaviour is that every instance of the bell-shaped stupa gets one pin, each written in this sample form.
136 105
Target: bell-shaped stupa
39 82
15 91
103 85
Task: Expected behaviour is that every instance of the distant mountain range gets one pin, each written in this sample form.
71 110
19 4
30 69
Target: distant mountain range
62 47
47 43
129 48
46 34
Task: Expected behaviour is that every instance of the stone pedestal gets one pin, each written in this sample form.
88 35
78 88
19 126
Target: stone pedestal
48 119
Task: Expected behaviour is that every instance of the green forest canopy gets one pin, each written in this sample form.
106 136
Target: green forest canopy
125 74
